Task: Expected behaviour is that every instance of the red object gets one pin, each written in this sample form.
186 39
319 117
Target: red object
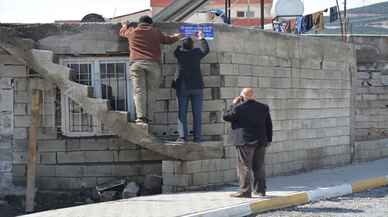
144 42
160 3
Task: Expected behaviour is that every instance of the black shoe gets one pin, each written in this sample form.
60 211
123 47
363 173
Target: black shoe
261 193
241 195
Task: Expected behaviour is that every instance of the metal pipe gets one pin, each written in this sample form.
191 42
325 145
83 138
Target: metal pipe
229 12
262 13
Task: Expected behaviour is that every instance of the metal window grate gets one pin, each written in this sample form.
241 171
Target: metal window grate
114 85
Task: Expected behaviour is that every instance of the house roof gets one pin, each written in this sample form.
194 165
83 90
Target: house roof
372 20
134 13
163 3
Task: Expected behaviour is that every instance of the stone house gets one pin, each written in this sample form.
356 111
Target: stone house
84 137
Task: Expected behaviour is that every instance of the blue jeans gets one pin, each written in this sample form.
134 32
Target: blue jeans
196 98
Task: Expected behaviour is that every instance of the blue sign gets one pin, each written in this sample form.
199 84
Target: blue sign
190 30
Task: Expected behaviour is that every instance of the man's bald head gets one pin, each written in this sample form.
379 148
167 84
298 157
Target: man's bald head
248 94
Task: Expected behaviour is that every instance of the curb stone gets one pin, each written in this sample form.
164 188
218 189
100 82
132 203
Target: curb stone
255 207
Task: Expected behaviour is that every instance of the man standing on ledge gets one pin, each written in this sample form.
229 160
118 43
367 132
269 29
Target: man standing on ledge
251 134
144 48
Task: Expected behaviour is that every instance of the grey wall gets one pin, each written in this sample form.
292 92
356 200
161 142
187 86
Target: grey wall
305 81
6 128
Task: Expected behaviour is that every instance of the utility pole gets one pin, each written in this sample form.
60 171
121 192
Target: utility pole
341 23
32 147
262 13
249 9
345 19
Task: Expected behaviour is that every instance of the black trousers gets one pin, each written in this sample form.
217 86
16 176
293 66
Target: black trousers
251 159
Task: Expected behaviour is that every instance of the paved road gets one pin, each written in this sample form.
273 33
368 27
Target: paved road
372 203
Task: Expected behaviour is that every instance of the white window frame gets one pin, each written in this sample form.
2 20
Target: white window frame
96 82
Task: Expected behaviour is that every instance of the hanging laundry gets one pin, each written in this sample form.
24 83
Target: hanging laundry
299 25
318 21
307 23
333 14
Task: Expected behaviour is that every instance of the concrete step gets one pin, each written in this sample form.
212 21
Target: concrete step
139 135
41 62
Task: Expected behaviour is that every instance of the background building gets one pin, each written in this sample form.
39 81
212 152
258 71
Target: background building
243 12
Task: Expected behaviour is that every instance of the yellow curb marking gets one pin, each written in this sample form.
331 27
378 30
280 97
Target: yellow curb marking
279 202
369 184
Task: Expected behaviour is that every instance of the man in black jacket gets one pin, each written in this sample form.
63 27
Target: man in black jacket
189 85
251 134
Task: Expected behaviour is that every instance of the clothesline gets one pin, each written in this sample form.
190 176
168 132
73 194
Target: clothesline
303 24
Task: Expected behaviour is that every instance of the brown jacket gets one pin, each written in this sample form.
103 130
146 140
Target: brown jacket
144 41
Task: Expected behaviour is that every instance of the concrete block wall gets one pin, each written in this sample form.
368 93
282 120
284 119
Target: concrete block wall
305 81
73 163
371 102
371 150
8 66
63 163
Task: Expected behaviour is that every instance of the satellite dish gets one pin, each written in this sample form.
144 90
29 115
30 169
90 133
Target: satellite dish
287 8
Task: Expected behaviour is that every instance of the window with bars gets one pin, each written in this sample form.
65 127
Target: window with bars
109 79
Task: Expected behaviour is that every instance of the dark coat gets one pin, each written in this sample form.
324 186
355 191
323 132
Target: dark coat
251 123
189 66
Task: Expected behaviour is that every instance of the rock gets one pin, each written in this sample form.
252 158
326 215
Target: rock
131 190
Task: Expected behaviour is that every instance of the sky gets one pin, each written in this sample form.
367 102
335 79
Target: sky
47 11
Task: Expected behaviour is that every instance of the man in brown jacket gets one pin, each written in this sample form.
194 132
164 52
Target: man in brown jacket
144 47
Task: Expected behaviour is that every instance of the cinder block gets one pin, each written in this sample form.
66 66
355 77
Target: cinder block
244 70
168 166
216 177
13 71
100 170
230 175
69 171
212 81
19 170
210 58
50 145
44 170
71 157
193 166
22 121
227 69
20 109
147 155
20 133
22 97
127 156
151 169
125 170
177 180
98 156
47 158
200 179
18 157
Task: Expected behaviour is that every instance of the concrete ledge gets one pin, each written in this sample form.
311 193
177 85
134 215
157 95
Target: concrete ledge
278 202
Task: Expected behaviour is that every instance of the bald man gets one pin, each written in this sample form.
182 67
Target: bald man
251 134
